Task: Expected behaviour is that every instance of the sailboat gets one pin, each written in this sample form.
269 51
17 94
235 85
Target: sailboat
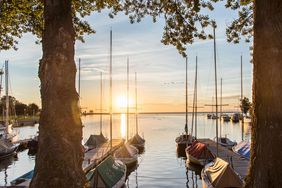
95 140
235 117
111 172
184 139
6 130
127 153
137 141
224 141
7 148
219 174
226 117
243 147
197 153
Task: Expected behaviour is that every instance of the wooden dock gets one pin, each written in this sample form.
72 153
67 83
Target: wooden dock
239 164
93 157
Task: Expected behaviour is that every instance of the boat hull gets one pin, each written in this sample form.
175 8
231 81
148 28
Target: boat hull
182 142
8 152
193 160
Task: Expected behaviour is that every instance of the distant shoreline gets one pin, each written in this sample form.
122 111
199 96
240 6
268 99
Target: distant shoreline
168 113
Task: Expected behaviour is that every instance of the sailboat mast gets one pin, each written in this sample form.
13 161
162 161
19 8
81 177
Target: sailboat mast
220 129
241 77
101 102
186 98
79 77
242 96
196 96
136 110
127 103
111 92
7 95
215 77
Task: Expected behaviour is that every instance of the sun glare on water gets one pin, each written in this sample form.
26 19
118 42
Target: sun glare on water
123 125
121 103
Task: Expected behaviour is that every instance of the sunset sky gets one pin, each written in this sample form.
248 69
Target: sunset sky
160 69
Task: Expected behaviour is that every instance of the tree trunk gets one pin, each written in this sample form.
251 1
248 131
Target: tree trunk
266 153
59 158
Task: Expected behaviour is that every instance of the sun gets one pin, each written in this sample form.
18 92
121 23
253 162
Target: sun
121 102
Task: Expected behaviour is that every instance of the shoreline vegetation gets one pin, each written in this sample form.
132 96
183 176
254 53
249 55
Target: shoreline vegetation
97 113
22 121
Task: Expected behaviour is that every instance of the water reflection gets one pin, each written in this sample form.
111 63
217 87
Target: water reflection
4 165
123 125
159 166
195 175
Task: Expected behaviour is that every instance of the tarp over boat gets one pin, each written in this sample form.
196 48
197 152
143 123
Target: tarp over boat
243 149
108 173
95 140
137 140
220 175
126 151
183 139
199 151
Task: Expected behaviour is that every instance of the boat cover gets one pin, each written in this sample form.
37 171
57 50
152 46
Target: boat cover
110 171
184 138
5 145
126 151
136 139
95 140
199 151
243 148
220 175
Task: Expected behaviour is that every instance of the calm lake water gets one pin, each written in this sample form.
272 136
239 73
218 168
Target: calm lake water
159 165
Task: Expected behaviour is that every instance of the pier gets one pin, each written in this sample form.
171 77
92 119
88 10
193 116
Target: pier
239 164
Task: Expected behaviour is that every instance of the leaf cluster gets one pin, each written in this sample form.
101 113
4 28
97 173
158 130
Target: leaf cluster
18 17
185 20
242 26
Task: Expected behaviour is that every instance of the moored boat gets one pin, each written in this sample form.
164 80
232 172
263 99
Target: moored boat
7 148
214 116
198 154
185 139
138 142
209 116
219 174
226 118
6 129
226 142
109 173
235 117
95 140
128 154
243 149
182 142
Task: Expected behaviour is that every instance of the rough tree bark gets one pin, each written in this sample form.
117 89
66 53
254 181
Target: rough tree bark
266 163
59 158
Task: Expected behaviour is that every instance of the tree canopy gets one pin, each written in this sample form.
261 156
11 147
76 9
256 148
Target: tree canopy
245 105
184 20
17 108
